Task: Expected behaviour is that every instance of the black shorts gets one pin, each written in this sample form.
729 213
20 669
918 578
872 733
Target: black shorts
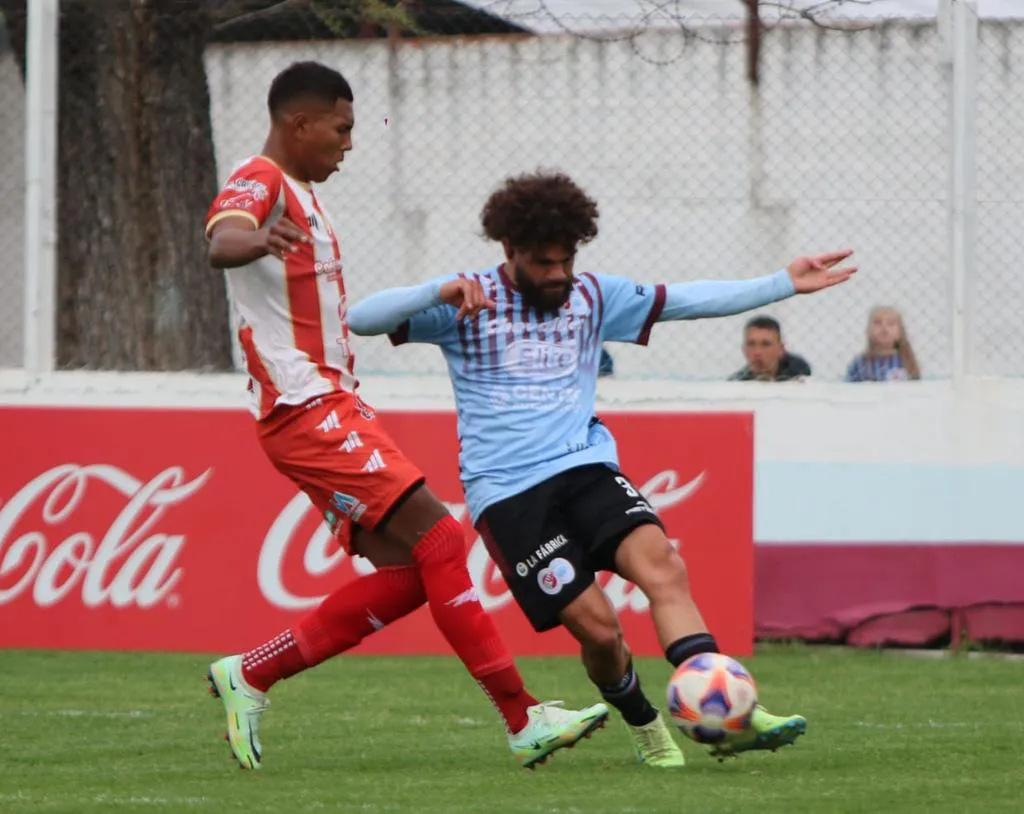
551 540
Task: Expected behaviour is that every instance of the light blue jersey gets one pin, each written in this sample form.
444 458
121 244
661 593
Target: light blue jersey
525 382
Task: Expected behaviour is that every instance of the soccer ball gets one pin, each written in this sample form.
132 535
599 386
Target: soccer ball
711 697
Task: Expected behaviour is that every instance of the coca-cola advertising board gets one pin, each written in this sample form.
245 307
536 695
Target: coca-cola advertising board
160 529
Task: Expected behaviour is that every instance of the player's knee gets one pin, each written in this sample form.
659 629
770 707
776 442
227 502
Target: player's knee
665 577
593 622
603 637
421 515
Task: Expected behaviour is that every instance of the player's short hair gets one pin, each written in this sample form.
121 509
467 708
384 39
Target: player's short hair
540 209
307 80
765 324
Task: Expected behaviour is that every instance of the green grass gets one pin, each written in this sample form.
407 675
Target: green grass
117 732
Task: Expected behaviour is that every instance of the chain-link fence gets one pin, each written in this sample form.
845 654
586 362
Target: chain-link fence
698 173
12 204
843 140
996 291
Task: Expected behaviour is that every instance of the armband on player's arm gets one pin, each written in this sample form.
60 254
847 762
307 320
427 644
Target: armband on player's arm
714 298
385 311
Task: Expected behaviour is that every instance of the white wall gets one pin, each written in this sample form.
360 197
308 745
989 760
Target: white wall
845 144
834 463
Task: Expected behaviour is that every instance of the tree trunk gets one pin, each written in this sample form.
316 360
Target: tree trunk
136 175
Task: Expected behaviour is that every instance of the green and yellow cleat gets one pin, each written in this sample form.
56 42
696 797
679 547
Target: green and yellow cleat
655 746
243 705
550 728
767 732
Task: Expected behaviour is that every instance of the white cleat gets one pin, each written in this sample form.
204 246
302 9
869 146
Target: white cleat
243 705
550 727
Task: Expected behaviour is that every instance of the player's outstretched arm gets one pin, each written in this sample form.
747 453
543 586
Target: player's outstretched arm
804 275
385 311
631 310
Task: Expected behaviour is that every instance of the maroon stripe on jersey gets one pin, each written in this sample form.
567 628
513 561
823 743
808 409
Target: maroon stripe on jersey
463 336
491 289
474 328
600 300
656 309
510 304
524 317
505 281
590 309
540 321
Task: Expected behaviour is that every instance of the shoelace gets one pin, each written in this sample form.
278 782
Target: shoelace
656 740
262 706
552 711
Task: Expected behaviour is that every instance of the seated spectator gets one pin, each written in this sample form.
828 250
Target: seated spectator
888 356
767 357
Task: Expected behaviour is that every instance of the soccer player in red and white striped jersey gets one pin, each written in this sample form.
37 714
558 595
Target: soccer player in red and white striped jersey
268 230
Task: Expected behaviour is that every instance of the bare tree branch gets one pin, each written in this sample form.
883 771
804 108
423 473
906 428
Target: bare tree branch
817 13
233 12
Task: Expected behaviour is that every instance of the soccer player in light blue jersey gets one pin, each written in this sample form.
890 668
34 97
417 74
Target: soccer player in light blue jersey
523 342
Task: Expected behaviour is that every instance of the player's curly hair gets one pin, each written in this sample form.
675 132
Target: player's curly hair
540 209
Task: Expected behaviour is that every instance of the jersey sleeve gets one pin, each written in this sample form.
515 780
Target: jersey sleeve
630 309
251 192
432 326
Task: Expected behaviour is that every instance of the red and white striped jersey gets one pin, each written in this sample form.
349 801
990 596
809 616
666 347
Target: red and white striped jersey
293 327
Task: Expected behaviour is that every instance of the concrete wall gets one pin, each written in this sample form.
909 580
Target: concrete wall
834 463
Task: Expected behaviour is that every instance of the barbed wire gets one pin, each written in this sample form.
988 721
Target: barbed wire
743 27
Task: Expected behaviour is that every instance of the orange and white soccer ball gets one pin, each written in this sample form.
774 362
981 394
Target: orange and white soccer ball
711 697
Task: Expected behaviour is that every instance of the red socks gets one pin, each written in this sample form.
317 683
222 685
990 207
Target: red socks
369 603
279 658
506 690
472 634
341 621
353 612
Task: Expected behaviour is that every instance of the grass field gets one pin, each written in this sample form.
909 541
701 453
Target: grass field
92 732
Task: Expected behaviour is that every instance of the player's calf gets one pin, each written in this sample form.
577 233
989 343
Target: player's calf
593 622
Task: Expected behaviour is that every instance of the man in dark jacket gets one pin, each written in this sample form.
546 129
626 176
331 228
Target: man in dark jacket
767 357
